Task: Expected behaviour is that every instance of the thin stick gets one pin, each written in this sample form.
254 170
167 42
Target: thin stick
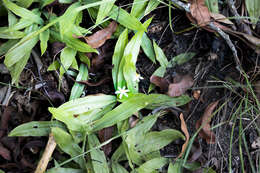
50 147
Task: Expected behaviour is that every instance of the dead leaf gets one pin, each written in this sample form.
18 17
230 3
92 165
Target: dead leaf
221 18
177 89
4 120
4 152
160 82
99 38
200 12
104 135
196 94
187 135
256 144
204 121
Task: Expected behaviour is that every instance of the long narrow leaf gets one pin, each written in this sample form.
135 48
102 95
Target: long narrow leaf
22 12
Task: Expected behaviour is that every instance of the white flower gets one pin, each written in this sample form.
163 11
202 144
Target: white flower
122 91
138 77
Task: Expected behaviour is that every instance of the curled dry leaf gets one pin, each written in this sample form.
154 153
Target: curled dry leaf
99 38
221 18
256 144
160 82
177 89
200 12
187 135
204 121
4 152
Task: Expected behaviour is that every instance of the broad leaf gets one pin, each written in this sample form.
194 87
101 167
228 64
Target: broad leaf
98 157
44 37
67 56
35 128
151 165
67 144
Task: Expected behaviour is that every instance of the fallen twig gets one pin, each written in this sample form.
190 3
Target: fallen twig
50 147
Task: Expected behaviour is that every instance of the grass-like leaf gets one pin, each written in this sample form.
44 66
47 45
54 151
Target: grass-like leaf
104 10
17 52
253 8
212 5
64 170
152 5
117 73
77 88
67 56
147 47
138 8
22 12
44 37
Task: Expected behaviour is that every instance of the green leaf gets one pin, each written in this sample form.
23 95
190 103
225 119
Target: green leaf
117 168
68 19
55 65
64 170
46 2
6 46
25 3
154 141
125 19
73 43
138 8
85 104
152 5
160 56
35 128
22 12
119 154
130 55
151 165
44 37
176 167
12 20
67 56
77 113
117 73
212 5
77 88
104 10
65 1
253 8
180 59
97 156
134 104
6 34
17 69
17 52
148 47
67 144
83 58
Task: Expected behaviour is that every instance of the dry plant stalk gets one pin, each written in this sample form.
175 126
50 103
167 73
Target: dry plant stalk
50 147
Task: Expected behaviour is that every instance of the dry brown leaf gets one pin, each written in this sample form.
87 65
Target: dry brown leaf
99 38
186 133
177 89
221 18
160 82
104 135
200 12
204 121
196 94
5 153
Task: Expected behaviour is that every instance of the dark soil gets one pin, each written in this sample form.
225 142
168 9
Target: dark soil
29 103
